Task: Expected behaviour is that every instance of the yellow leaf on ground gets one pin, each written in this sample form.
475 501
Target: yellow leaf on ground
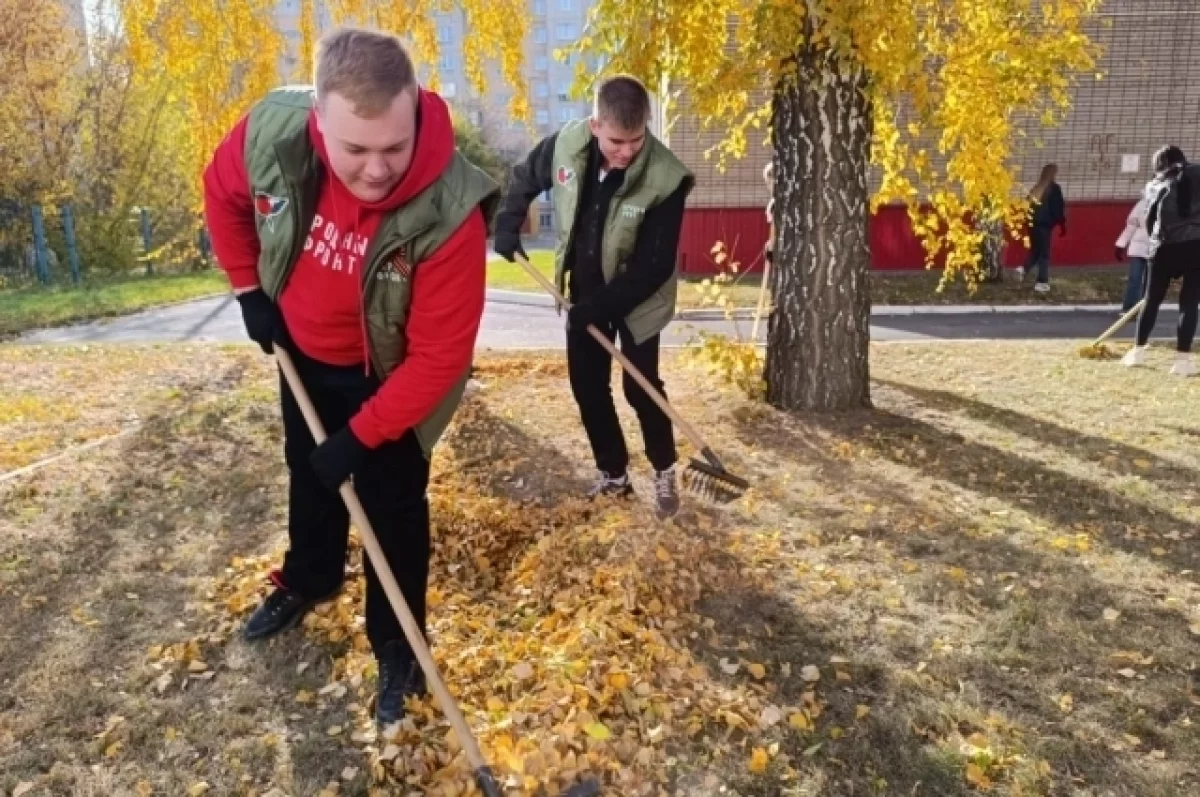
598 731
113 750
1066 703
861 711
1111 614
756 669
799 720
198 789
977 777
759 760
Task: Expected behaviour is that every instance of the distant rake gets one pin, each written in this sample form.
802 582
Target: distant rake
706 478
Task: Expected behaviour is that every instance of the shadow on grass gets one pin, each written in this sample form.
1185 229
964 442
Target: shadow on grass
1100 451
981 634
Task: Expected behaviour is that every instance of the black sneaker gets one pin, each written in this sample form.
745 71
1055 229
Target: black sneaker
279 611
399 677
615 486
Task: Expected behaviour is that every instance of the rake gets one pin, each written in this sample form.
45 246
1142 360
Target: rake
707 478
484 776
1097 350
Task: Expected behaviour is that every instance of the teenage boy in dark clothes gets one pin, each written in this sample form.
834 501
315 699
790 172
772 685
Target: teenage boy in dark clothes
618 195
355 236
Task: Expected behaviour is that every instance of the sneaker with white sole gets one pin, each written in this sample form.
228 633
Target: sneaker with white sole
1184 366
608 485
1042 287
1134 357
666 493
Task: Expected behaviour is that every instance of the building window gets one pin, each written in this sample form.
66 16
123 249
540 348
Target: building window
564 91
539 8
564 31
445 34
541 90
541 63
566 5
544 220
566 114
543 117
446 62
449 90
476 118
539 35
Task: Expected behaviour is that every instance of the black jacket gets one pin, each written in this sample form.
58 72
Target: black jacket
648 268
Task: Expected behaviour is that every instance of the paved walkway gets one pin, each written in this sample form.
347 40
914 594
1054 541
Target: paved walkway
514 320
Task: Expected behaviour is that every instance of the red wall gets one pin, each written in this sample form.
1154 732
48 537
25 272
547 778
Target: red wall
1093 228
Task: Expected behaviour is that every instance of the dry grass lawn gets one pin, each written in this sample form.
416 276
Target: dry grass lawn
986 584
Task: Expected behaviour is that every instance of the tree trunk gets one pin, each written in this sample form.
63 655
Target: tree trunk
991 261
820 330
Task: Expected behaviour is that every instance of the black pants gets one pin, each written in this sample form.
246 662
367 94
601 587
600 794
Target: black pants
1173 261
391 486
590 369
1040 239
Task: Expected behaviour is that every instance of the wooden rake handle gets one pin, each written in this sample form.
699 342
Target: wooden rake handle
630 368
408 623
1121 322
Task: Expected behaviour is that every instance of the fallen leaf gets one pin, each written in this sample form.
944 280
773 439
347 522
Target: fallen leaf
1111 615
1142 464
598 731
810 673
1128 672
334 730
523 671
977 777
389 752
861 711
23 788
197 666
113 750
799 720
197 789
1195 628
759 760
304 696
770 717
349 773
757 670
729 667
1066 703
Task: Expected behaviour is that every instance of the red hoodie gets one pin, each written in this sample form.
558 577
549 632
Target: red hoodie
322 301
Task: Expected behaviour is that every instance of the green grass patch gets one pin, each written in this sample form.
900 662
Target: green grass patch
34 307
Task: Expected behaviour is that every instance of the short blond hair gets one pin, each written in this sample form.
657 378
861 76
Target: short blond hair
367 67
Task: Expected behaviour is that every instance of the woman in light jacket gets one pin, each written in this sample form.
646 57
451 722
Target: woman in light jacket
1135 242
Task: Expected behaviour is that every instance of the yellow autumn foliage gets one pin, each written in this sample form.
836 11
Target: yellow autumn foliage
946 81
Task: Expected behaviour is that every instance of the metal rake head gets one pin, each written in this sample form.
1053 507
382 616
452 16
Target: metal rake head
713 482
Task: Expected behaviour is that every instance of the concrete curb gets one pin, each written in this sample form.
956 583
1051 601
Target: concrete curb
530 299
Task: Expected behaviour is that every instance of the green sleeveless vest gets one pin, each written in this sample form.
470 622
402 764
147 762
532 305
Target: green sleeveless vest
653 176
285 179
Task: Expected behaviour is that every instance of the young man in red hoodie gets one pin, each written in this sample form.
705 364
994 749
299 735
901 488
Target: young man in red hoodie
355 236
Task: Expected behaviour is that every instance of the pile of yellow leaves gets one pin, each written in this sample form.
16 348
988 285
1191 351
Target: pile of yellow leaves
566 635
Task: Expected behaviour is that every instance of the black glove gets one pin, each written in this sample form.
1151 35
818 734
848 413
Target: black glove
508 244
580 315
262 319
1120 253
335 460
